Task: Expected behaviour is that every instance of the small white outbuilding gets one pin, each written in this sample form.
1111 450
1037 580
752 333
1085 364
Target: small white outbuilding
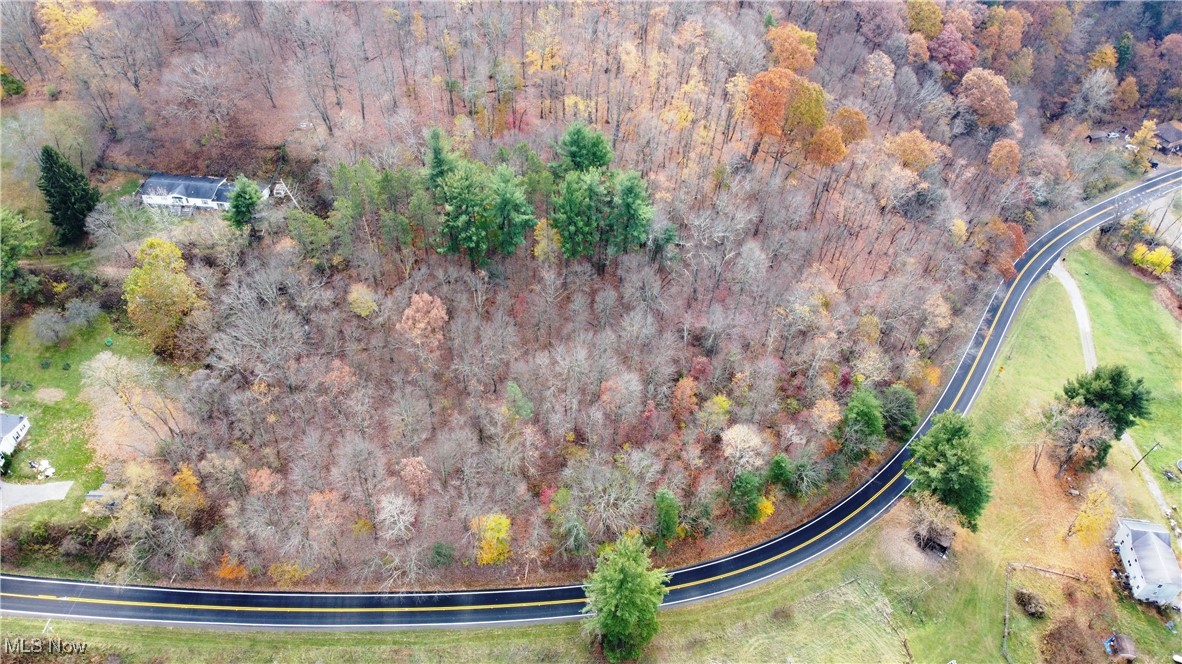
12 429
1144 547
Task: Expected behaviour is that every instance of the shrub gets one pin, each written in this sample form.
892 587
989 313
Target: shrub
442 554
1031 603
49 327
362 300
45 364
13 86
288 574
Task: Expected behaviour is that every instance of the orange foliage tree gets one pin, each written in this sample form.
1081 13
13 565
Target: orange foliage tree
1004 158
988 95
792 48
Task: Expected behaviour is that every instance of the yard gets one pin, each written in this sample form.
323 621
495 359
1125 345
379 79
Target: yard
875 599
1134 330
61 420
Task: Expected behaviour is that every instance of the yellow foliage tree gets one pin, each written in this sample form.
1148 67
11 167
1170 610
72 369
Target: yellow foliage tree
715 414
288 573
925 17
362 300
913 150
185 498
1144 141
63 21
158 292
1104 57
1159 261
492 548
766 508
547 242
1093 519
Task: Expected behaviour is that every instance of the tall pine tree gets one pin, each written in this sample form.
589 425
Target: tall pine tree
244 200
623 595
68 195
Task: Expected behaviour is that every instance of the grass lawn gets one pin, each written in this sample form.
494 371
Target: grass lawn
877 598
60 430
1134 330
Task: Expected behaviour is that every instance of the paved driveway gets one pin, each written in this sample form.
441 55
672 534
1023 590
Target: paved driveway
12 495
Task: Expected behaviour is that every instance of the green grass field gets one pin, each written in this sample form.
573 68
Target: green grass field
874 599
59 430
1134 330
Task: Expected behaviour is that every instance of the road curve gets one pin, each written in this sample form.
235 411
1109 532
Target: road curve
42 597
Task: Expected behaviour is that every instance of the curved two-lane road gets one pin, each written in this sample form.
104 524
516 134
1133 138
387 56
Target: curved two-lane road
216 608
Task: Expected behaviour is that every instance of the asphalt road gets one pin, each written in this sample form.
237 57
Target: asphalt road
275 610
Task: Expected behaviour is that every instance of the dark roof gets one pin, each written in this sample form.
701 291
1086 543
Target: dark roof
1170 132
222 195
189 186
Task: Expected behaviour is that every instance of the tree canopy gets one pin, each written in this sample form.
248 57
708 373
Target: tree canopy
1111 390
948 463
623 596
68 196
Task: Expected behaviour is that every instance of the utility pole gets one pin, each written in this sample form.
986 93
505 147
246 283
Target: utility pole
1155 446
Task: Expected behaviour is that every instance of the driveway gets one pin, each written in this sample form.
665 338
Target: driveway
12 495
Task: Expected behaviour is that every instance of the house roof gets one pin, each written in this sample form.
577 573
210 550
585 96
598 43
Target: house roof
189 186
1151 546
1170 132
9 423
222 195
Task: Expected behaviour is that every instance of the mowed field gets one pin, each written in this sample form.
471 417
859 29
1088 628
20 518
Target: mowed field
877 598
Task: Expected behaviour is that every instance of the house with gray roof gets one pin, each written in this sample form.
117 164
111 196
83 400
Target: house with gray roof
1152 567
186 192
12 429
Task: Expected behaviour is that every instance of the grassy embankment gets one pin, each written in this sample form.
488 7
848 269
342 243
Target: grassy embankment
861 602
1134 330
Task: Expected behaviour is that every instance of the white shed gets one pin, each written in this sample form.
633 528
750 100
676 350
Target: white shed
12 429
1154 575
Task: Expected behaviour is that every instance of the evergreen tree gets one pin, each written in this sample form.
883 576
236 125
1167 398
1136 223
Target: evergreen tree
68 196
1111 390
580 206
466 220
668 515
510 212
582 148
244 200
745 495
899 413
630 215
948 463
440 160
1124 52
623 597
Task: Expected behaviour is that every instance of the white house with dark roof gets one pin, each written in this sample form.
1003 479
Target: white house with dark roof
12 429
1144 547
189 191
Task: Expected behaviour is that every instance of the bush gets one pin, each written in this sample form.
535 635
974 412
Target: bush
1031 603
442 554
81 313
362 300
49 327
13 86
45 364
899 412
